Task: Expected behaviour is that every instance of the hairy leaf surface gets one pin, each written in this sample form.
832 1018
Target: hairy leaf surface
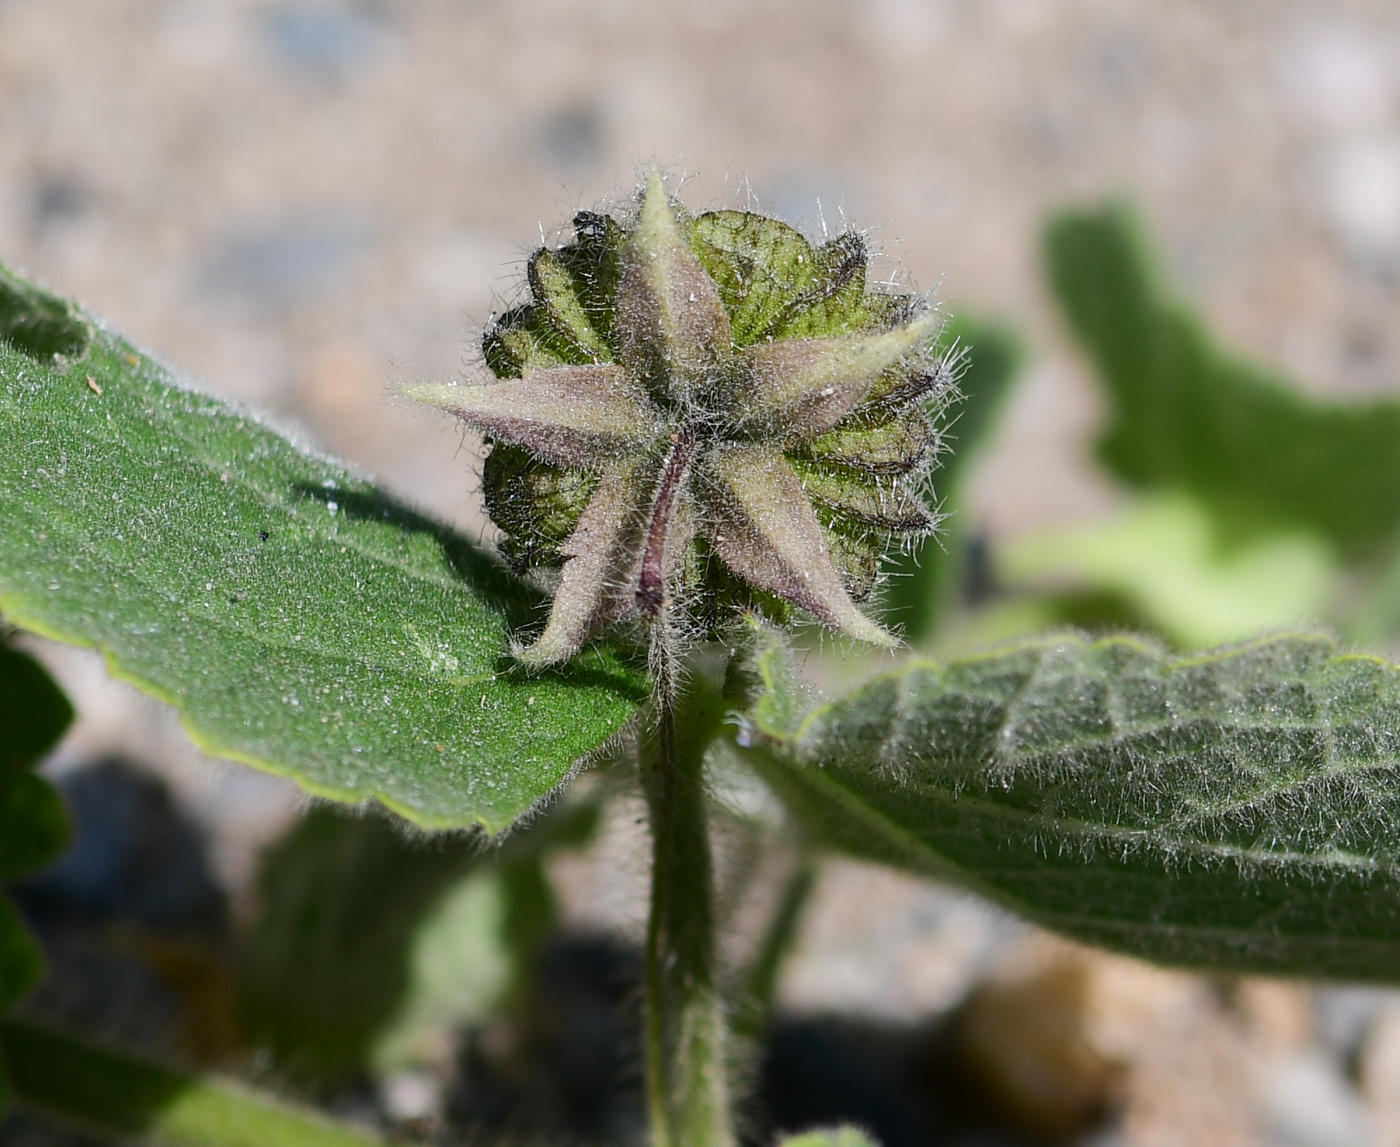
1236 810
301 619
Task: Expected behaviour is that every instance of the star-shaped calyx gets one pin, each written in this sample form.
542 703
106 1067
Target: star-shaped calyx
702 407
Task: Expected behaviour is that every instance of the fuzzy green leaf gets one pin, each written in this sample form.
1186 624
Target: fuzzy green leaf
1186 414
1235 810
301 619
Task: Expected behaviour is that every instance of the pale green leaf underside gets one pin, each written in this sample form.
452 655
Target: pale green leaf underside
301 620
1162 554
1237 810
837 1137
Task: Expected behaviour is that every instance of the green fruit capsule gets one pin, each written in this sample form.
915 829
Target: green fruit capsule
698 414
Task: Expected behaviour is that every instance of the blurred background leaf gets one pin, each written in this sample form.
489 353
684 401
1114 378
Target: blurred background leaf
373 946
1258 506
1186 415
836 1137
1163 558
33 715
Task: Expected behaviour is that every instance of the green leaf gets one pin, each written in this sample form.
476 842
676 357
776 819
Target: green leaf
33 828
1185 414
37 323
1235 810
921 583
98 1089
995 356
1376 616
371 946
836 1137
1163 556
301 619
329 963
34 713
20 962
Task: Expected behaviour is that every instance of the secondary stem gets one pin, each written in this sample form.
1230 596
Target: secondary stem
760 985
687 1089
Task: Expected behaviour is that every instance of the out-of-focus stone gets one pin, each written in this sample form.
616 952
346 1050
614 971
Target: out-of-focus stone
1062 1034
342 390
1337 77
1028 1039
1346 1016
1378 1071
1359 191
884 945
1277 1013
1307 1102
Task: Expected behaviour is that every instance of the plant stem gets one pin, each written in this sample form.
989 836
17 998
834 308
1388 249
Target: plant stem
755 1010
117 1095
687 1089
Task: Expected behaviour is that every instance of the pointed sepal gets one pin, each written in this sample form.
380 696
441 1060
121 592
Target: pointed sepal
598 582
672 327
794 390
581 416
758 519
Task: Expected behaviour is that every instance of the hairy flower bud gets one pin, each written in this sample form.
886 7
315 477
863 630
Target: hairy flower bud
694 414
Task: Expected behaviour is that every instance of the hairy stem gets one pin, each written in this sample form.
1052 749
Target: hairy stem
687 1089
119 1096
651 588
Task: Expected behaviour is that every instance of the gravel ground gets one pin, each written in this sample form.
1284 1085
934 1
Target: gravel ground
302 203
